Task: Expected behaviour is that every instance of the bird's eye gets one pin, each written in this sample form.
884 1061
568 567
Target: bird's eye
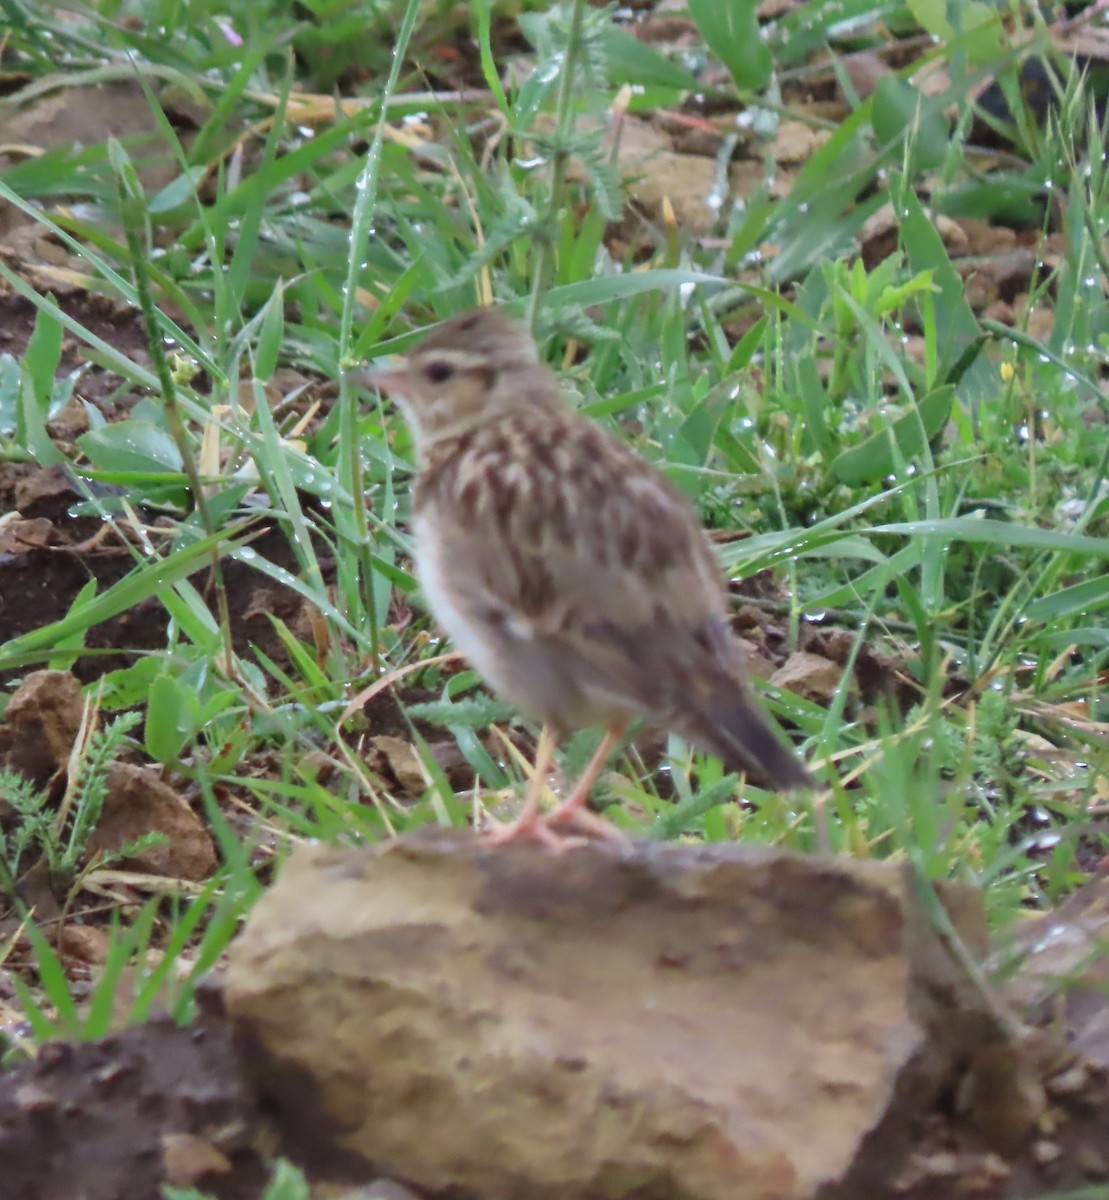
439 371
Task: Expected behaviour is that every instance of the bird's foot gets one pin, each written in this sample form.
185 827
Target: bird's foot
528 827
582 820
562 829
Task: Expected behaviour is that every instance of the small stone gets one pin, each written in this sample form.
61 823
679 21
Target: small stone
811 676
41 724
34 1098
85 943
138 802
1072 1082
1045 1152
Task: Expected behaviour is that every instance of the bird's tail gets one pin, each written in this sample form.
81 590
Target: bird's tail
731 725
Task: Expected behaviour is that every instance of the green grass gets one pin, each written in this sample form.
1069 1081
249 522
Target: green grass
929 486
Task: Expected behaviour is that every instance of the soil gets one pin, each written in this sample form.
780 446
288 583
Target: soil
39 585
120 1117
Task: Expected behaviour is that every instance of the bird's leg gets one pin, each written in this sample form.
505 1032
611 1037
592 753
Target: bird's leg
529 825
572 811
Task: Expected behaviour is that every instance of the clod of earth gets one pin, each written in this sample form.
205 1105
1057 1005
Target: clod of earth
695 1023
138 803
40 725
120 1117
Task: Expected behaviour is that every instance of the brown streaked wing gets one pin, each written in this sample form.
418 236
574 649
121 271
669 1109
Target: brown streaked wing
547 522
549 481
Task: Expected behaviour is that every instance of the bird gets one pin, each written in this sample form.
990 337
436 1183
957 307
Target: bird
574 576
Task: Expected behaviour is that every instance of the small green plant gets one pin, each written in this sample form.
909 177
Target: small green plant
31 832
88 787
60 838
143 969
30 395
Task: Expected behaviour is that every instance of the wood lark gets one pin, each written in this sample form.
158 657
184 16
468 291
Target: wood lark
571 573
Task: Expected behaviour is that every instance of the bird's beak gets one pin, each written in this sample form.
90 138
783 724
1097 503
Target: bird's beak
390 375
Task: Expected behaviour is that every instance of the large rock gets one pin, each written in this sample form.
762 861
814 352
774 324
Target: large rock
650 1021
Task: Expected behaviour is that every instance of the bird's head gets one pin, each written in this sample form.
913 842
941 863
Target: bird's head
468 370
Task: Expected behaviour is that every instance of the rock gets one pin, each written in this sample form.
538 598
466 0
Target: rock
809 675
1063 971
46 492
85 943
41 724
22 536
137 803
85 116
656 1020
653 172
399 758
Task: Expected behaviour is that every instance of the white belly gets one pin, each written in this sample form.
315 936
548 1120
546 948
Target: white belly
463 628
529 670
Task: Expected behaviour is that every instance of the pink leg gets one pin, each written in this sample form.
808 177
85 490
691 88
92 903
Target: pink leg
529 825
572 811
